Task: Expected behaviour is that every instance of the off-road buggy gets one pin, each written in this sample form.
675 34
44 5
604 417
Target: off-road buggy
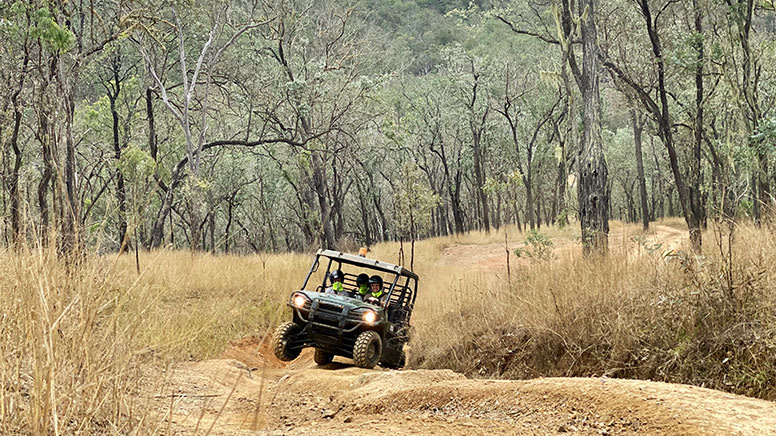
369 333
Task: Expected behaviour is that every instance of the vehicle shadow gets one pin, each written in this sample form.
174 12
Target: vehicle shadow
334 366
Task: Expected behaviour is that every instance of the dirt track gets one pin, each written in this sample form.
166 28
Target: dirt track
339 399
248 391
492 257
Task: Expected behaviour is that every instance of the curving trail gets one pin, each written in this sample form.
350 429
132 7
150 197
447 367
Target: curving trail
492 258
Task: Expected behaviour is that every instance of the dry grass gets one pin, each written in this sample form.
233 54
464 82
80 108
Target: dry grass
201 302
662 316
83 346
68 362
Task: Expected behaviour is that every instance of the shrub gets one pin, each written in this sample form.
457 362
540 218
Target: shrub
537 247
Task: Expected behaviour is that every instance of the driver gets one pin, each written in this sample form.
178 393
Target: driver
337 286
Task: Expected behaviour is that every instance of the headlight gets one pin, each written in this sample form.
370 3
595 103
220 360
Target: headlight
299 300
369 316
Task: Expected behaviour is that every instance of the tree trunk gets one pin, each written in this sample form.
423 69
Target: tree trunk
212 229
14 182
45 139
72 211
638 128
477 126
157 230
455 203
696 169
529 204
364 215
321 190
497 219
121 195
479 176
17 165
593 173
338 191
666 132
382 231
764 189
229 218
267 216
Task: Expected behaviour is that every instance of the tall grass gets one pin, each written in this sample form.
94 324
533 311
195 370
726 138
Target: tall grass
708 320
84 344
68 362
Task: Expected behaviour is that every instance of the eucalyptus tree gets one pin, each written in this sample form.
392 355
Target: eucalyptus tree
528 108
573 25
432 120
471 96
654 90
746 46
50 41
117 73
226 25
85 31
414 203
17 40
316 55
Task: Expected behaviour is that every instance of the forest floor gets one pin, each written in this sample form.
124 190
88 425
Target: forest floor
247 391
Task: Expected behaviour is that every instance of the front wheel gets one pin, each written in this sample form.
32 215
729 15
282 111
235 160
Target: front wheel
281 340
367 350
322 358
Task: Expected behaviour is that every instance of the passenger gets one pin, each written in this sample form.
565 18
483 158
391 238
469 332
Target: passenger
376 289
362 281
337 286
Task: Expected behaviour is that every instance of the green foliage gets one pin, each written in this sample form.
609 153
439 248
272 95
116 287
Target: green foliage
413 203
562 219
502 183
45 28
537 246
135 164
764 139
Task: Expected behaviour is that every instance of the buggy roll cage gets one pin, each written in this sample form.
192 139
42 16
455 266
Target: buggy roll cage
349 259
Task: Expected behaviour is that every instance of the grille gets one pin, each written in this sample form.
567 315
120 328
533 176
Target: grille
328 314
329 307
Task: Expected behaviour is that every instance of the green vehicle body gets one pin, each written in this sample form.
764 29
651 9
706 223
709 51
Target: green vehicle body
333 324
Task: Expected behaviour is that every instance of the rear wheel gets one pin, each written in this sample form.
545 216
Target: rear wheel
399 363
322 358
281 340
367 350
402 360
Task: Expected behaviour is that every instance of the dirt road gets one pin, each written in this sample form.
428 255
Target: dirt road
492 257
231 396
